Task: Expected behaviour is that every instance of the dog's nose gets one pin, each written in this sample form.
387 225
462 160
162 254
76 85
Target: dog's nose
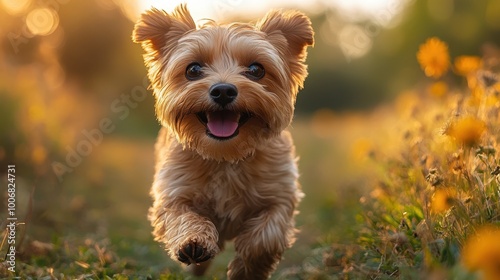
223 93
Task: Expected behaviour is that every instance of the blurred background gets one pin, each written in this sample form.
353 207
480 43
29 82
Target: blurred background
77 120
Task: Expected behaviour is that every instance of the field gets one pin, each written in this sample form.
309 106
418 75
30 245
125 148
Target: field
407 190
95 224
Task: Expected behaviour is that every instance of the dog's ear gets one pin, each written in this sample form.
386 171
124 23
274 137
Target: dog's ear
156 30
293 26
290 32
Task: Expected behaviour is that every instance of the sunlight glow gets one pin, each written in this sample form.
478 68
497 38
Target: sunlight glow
351 24
223 9
380 10
15 7
42 21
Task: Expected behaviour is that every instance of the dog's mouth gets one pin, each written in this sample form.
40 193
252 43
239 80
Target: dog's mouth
224 124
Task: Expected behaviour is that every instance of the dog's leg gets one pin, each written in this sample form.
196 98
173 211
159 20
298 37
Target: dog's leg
188 237
261 244
256 269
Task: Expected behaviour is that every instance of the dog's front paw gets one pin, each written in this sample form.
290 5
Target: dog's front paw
193 252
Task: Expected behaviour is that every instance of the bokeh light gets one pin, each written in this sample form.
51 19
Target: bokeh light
354 41
15 7
42 21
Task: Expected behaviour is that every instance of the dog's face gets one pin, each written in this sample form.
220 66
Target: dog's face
224 89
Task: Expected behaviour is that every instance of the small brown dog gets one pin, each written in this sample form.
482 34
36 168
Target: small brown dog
226 167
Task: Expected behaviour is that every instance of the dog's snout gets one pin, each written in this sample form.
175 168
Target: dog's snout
223 93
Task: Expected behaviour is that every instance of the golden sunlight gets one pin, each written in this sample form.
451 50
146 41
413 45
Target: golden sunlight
199 9
42 21
382 10
15 6
354 40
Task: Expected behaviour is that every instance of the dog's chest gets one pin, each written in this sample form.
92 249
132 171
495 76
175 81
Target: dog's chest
234 194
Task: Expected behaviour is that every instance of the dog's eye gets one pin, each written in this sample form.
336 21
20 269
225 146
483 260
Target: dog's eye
193 71
255 71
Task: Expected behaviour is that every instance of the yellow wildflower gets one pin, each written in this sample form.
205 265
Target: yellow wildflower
482 252
442 199
466 65
467 130
433 57
438 89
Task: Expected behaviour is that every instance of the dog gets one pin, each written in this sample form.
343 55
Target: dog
225 163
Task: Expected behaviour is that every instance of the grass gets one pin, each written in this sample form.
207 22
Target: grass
407 191
93 224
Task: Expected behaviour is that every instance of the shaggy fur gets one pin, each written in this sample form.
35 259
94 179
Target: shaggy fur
210 187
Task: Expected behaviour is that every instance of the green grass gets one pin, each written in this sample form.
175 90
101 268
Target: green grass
93 224
361 217
364 215
397 193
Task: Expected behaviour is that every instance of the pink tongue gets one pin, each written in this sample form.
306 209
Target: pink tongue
222 123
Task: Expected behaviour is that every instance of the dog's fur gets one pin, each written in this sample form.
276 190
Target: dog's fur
210 187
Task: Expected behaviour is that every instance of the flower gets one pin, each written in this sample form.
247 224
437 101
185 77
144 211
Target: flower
467 130
442 199
433 57
466 65
482 252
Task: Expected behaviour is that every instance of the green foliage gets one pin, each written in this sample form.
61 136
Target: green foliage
439 188
433 209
